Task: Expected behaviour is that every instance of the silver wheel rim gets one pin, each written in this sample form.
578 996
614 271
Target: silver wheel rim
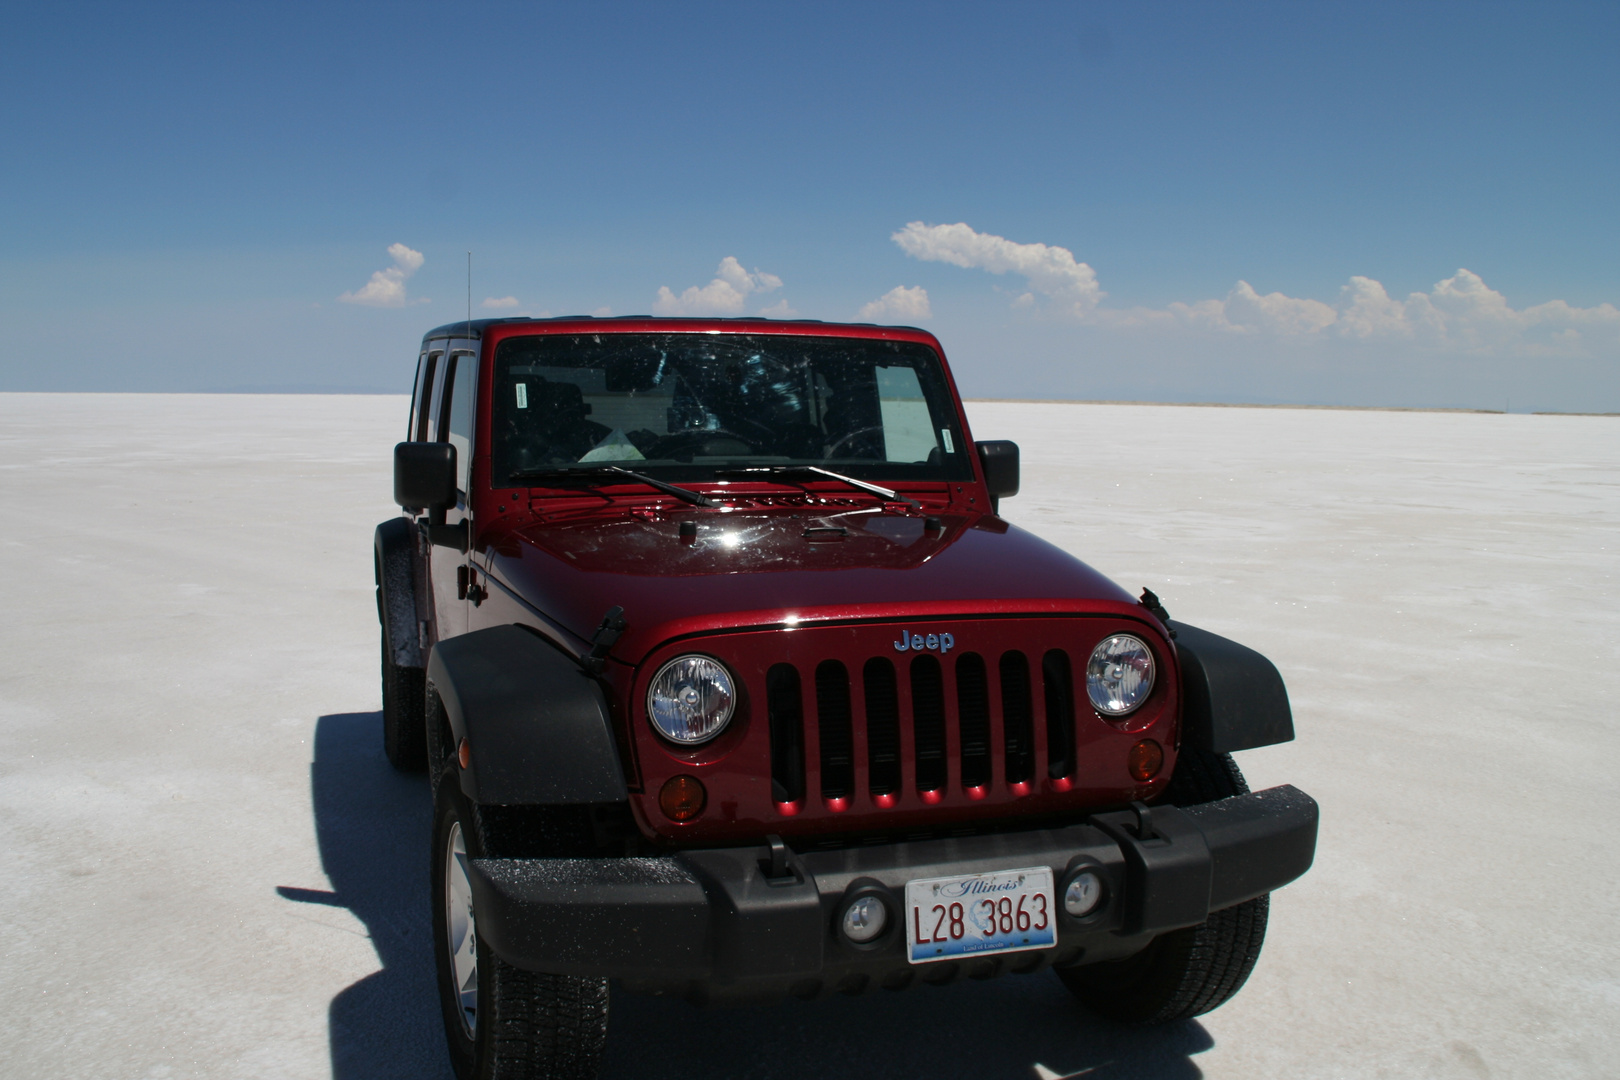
461 935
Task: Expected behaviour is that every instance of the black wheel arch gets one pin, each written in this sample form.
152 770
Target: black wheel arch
394 565
537 726
1232 698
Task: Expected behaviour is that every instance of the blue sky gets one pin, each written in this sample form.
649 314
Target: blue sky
1377 204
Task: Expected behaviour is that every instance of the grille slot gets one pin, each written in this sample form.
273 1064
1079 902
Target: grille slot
1017 718
1059 683
784 701
837 740
928 722
882 725
973 719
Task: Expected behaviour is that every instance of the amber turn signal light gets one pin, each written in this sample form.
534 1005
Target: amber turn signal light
1145 759
464 754
682 798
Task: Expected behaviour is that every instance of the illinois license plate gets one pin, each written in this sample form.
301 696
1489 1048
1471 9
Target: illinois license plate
1008 911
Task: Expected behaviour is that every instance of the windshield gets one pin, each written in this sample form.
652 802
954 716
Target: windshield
683 405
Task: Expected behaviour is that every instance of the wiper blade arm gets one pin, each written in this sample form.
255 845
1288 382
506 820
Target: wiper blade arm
817 470
562 472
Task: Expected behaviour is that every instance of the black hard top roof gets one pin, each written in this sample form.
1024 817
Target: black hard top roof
476 327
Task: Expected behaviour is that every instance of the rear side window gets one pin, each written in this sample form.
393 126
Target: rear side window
419 402
457 410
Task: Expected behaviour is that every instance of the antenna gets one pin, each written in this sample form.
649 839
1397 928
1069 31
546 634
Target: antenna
469 295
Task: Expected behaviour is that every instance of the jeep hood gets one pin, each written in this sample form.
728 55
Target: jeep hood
754 568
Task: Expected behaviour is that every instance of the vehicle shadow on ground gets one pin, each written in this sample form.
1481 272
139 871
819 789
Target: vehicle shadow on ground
372 825
1012 1028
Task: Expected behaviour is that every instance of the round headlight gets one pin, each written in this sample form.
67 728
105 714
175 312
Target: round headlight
690 700
1119 675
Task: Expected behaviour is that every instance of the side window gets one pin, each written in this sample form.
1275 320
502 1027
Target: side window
416 396
424 392
457 410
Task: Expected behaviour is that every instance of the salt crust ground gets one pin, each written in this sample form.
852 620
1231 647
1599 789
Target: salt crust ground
211 871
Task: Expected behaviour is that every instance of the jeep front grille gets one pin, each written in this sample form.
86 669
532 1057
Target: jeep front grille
950 695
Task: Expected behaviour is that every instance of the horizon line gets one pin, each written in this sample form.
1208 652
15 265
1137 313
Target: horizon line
372 392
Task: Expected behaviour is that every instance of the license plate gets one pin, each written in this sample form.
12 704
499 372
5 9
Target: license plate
1008 911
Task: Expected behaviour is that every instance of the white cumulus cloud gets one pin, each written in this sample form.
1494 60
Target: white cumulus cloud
778 310
1365 310
497 302
1275 312
1461 314
387 287
898 303
725 295
1050 271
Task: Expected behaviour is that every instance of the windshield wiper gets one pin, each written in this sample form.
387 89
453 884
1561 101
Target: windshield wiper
816 470
563 472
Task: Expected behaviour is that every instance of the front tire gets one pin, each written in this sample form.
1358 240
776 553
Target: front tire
1189 972
501 1021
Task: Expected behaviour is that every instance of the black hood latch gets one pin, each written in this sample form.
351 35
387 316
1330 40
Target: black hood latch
602 642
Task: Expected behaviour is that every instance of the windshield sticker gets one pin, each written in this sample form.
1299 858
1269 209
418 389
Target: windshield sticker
523 395
945 437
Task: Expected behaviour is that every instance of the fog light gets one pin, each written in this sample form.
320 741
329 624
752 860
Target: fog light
865 919
1145 759
682 798
1082 894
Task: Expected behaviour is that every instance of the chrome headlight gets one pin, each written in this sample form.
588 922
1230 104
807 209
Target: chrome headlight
690 700
1119 675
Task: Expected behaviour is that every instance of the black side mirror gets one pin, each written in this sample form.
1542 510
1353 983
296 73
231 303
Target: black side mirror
1000 461
425 476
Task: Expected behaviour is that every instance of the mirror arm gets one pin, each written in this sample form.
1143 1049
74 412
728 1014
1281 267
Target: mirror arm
999 461
455 536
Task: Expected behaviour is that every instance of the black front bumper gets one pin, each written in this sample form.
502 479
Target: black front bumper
715 924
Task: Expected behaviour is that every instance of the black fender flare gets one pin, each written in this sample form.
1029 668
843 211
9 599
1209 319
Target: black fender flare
1232 698
537 726
395 569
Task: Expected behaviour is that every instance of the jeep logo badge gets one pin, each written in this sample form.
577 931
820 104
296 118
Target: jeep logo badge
919 642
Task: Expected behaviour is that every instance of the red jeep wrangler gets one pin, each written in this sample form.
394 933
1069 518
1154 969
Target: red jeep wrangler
732 684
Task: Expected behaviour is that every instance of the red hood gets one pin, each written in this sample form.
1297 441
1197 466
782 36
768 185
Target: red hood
769 566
